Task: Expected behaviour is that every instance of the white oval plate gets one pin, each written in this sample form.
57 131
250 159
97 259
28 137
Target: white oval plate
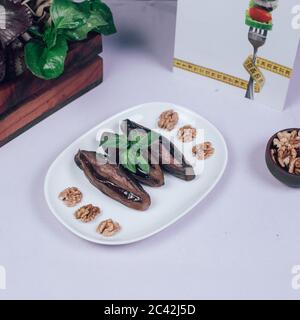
169 203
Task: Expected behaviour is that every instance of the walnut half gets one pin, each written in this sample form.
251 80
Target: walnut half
286 149
297 166
87 213
187 133
71 196
168 120
203 151
108 228
294 166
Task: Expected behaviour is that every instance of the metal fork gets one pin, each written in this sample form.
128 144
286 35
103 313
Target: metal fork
257 37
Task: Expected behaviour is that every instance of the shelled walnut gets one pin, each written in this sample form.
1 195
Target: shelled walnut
71 196
203 151
87 213
286 151
108 228
187 133
294 166
287 139
168 120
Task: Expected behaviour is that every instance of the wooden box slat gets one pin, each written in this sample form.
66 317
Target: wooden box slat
67 88
23 88
28 100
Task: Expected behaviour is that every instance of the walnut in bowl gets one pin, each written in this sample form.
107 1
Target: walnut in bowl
283 156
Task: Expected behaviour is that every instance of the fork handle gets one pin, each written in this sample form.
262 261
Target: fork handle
250 88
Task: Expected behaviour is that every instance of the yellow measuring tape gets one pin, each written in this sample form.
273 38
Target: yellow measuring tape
255 73
235 81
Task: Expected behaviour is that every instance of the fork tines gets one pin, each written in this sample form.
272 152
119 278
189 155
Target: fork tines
258 31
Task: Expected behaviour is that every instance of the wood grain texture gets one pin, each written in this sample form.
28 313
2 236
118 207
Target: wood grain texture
63 90
22 89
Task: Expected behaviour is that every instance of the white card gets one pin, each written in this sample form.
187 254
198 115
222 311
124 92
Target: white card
212 45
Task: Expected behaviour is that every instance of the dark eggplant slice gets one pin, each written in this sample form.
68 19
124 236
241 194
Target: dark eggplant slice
155 178
170 158
112 180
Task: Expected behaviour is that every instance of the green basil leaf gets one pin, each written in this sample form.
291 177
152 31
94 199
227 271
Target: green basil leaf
93 22
54 59
66 14
116 141
135 136
98 18
143 164
33 53
108 142
49 36
126 163
147 140
105 12
35 32
133 155
46 63
70 21
123 142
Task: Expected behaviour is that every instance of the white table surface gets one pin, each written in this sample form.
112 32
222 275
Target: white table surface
241 242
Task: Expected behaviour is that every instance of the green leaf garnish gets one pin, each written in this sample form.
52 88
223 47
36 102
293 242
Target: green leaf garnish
143 164
131 156
147 140
45 55
126 161
115 142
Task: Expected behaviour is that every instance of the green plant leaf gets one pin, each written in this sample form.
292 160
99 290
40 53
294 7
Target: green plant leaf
66 14
54 59
116 141
109 142
133 154
81 33
99 19
126 161
45 58
146 140
143 164
46 63
35 32
33 53
105 12
50 36
135 136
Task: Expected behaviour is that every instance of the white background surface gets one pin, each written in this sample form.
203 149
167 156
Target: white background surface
241 242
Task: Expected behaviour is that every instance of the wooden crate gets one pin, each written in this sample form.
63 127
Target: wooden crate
28 99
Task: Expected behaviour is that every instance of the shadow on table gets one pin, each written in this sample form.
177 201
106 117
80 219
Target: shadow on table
147 27
258 166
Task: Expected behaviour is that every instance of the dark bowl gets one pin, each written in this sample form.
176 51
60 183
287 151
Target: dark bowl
289 179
